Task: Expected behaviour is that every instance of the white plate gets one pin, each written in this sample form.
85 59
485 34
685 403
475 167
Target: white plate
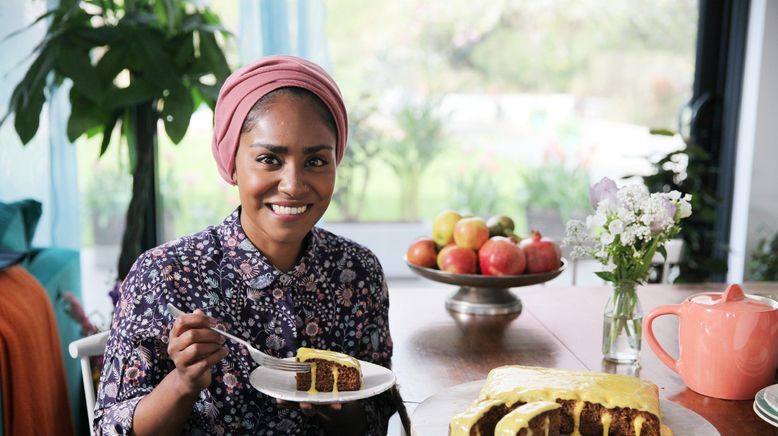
764 406
431 417
762 415
282 385
771 396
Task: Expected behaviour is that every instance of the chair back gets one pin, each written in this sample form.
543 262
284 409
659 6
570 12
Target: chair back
83 349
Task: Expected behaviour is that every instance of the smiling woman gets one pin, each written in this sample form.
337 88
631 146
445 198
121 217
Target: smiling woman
285 171
265 273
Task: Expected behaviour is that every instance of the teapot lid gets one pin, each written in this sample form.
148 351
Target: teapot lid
735 300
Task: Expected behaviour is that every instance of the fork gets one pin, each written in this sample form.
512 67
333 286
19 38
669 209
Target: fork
258 356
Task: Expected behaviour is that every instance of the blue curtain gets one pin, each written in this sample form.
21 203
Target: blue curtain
283 27
46 168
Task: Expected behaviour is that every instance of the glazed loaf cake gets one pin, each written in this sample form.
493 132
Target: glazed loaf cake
591 403
330 371
582 403
494 417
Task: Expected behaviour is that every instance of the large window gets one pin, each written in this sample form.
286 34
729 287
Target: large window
507 107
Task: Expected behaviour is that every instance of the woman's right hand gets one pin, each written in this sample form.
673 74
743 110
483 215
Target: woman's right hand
194 349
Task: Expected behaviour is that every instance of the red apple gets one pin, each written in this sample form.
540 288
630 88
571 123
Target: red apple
459 260
499 256
543 255
422 252
441 252
471 233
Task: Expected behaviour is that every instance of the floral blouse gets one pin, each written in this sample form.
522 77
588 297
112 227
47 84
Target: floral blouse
335 298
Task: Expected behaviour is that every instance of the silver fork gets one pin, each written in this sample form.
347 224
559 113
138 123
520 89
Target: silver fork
258 356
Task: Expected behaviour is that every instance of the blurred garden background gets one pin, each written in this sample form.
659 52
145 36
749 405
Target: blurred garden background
501 107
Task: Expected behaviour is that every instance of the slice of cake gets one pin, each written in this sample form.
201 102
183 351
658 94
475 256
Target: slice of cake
478 420
591 403
536 418
330 371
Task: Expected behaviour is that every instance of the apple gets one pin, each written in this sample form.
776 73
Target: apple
543 255
458 260
422 252
471 233
500 225
443 227
499 256
443 250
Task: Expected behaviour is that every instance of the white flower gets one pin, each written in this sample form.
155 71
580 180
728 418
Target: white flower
684 209
606 238
674 195
616 227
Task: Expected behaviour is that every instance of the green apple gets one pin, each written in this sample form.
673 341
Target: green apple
443 227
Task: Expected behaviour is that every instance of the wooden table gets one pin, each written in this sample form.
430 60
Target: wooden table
558 328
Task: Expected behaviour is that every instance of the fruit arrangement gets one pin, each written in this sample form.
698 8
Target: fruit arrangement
472 245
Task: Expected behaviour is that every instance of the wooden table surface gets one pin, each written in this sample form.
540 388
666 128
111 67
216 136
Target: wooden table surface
435 349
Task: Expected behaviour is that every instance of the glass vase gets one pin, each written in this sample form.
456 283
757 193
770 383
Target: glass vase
622 329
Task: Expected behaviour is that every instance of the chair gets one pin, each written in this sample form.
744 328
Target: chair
83 349
674 248
94 345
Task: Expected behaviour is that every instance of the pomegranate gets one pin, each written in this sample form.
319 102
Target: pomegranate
543 255
499 256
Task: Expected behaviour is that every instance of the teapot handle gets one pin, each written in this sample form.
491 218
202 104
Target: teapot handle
674 309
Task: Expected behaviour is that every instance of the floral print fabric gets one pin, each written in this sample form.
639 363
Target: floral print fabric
335 298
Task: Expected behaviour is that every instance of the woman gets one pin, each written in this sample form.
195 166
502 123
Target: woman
265 274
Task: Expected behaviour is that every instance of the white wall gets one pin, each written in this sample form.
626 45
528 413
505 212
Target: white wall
755 206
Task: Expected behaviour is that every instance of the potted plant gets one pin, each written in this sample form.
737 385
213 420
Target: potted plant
353 172
132 63
409 155
553 193
690 169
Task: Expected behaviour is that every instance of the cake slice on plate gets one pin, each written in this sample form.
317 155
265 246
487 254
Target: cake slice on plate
330 371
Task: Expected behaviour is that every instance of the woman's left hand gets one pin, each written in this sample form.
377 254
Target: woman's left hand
310 409
339 418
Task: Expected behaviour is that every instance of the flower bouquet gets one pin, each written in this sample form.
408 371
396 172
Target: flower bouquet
628 227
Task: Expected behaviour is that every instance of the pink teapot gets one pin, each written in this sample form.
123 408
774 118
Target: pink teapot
728 342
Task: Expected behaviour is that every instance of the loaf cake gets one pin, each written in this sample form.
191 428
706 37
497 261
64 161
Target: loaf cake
591 403
535 418
330 371
479 419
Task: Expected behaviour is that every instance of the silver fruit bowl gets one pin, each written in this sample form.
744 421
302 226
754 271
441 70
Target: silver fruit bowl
485 295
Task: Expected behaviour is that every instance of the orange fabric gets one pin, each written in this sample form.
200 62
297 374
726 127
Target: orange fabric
35 399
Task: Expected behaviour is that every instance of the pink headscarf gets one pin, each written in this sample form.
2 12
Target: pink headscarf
247 85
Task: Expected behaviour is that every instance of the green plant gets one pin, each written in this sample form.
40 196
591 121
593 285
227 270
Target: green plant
475 193
763 265
107 196
353 175
555 186
410 155
132 63
692 169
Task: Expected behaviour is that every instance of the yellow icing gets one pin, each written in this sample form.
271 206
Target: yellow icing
665 430
638 424
313 390
527 384
461 424
519 418
579 405
305 354
606 419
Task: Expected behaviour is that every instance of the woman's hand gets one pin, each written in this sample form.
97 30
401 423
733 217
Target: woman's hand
194 349
337 418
